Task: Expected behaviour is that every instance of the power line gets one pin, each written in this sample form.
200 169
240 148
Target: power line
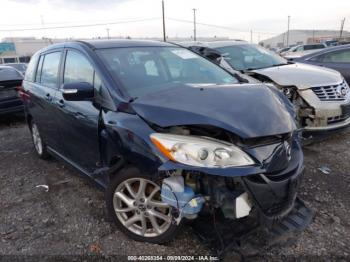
220 27
77 26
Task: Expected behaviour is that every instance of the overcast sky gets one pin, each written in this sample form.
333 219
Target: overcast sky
265 17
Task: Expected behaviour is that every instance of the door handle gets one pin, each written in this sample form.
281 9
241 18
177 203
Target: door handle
60 103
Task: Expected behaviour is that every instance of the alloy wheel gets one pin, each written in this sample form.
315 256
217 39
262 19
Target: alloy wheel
37 139
138 207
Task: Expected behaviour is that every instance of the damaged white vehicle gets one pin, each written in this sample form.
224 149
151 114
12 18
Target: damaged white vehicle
320 95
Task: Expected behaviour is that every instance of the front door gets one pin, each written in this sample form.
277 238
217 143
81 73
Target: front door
78 120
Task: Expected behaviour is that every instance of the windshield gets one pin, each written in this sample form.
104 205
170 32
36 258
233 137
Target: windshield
249 57
144 70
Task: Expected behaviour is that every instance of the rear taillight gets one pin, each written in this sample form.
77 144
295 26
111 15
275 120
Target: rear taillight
22 93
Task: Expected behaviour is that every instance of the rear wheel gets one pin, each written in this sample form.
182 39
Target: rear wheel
39 145
134 203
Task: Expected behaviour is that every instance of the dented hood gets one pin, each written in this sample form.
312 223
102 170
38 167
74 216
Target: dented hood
302 76
252 110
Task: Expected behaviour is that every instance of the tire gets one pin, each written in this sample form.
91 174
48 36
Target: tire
38 142
145 212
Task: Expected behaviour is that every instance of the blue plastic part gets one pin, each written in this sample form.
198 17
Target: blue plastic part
185 201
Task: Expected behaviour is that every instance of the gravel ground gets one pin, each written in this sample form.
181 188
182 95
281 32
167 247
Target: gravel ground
71 219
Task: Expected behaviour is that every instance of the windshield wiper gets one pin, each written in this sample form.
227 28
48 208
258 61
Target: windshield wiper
251 69
281 64
258 68
133 99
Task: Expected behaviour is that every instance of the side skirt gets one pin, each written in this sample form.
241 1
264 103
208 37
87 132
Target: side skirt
101 185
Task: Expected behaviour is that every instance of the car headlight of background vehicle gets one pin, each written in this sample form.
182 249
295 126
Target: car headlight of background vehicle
289 91
200 151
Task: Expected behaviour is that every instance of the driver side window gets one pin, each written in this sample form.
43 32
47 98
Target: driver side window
77 69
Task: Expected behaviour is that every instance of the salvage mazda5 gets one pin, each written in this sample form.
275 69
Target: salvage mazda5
168 134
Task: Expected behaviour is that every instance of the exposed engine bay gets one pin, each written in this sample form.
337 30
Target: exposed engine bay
250 202
190 193
268 197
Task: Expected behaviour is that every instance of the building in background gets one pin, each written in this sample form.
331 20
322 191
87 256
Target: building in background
299 37
20 49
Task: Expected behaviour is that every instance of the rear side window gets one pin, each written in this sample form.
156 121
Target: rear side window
49 71
342 56
29 76
311 47
318 58
77 69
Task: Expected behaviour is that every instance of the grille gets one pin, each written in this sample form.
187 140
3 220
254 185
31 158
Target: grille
332 93
337 119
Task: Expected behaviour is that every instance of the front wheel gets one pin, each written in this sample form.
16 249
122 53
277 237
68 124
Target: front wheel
134 203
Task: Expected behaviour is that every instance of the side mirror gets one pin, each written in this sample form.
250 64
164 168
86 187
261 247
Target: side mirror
77 91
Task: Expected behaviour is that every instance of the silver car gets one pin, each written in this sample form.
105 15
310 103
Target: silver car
320 95
301 50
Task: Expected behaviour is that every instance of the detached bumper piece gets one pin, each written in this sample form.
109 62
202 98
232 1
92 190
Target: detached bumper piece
296 221
246 237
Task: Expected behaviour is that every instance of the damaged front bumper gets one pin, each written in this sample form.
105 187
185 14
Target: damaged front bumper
276 211
272 194
325 115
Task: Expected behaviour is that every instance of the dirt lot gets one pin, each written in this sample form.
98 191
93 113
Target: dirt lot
71 219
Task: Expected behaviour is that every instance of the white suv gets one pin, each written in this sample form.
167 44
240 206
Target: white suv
320 95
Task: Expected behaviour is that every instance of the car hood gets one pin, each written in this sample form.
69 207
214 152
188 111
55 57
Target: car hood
248 110
302 76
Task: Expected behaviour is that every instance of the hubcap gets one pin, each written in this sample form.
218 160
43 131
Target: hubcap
37 139
138 207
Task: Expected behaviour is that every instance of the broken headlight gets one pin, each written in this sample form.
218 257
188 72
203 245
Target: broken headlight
289 92
200 151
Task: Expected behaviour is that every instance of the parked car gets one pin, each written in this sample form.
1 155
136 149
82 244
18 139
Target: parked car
283 50
337 58
331 43
301 50
21 67
167 133
320 95
10 80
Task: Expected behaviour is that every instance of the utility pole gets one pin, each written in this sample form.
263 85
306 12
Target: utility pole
42 25
107 33
194 24
341 29
163 13
251 36
288 31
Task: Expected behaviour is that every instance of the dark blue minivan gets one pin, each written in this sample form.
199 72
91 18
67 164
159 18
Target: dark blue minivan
168 134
